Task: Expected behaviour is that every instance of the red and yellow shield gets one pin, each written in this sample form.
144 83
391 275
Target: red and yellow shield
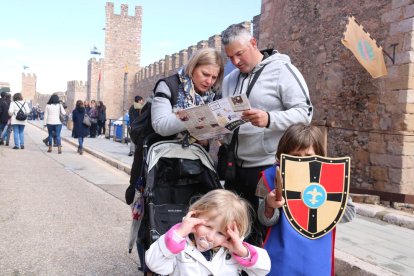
316 191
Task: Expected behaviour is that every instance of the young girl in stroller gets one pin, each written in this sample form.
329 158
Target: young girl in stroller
209 240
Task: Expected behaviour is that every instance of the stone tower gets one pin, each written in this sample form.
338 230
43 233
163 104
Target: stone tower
28 86
94 83
122 54
76 90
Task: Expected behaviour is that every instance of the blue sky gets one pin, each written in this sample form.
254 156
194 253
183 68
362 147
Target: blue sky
54 38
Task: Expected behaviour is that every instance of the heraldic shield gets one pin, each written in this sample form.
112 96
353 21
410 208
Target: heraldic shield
316 191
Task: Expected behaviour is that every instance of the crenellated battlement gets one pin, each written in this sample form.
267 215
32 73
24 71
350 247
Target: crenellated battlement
110 11
171 63
28 76
74 85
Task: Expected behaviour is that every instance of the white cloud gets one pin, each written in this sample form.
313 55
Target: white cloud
11 43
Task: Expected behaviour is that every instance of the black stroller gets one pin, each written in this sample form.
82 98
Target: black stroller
174 174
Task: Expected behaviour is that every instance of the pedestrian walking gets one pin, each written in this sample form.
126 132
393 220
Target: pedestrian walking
18 111
51 120
80 130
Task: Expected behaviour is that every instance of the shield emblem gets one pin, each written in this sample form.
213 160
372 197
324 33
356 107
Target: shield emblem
316 191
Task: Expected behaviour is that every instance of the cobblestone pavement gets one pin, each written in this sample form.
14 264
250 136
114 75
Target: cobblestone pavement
62 214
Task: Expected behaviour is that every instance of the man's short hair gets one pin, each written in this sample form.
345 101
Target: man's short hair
3 94
138 98
235 32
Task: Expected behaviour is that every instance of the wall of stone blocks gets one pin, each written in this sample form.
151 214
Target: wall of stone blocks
371 120
122 55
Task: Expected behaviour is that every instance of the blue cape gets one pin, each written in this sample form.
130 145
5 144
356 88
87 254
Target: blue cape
290 252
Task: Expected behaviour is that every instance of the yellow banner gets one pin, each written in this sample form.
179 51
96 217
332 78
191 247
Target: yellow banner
364 48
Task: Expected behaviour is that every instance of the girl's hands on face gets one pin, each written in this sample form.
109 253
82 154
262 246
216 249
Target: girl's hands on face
234 242
188 224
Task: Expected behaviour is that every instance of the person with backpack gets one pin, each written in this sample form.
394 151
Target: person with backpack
52 120
133 113
18 111
194 84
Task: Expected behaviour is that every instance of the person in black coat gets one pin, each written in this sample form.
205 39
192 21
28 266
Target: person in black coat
80 130
133 113
4 114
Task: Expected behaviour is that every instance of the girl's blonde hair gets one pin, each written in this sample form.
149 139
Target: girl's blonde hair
228 206
206 56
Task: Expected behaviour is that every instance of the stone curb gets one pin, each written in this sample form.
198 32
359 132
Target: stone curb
346 264
111 161
388 215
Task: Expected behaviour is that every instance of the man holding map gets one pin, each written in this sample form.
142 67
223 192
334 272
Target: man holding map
278 96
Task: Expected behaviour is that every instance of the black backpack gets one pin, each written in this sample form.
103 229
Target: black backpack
141 128
21 116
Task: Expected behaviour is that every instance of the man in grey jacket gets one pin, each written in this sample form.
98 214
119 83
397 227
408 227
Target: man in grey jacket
279 98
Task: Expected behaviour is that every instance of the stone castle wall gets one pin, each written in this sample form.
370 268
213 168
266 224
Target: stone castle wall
371 120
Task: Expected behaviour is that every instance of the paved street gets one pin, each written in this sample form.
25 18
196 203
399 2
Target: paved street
65 215
61 214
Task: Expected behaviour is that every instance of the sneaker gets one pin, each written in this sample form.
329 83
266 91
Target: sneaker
15 147
22 146
130 154
7 144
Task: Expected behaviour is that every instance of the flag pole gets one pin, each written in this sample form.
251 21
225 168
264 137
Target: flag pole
393 52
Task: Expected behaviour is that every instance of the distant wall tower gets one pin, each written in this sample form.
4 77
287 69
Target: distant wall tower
28 86
122 53
76 90
94 82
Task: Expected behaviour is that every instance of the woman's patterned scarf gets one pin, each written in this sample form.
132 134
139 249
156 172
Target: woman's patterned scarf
187 96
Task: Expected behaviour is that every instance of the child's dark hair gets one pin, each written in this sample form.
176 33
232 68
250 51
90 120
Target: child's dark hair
300 137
